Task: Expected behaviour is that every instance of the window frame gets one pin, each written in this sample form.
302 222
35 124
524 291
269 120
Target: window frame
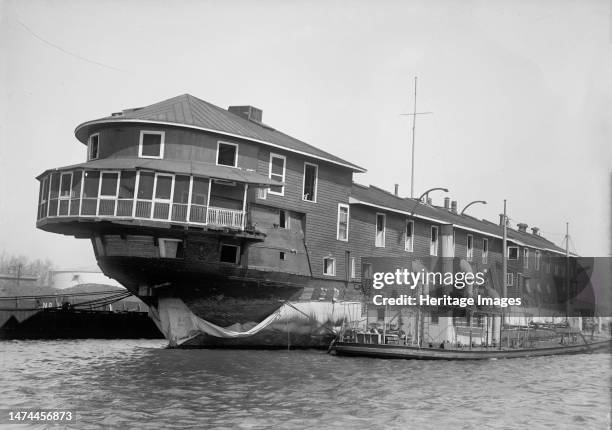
235 145
509 279
284 158
89 144
538 258
287 225
469 247
434 250
237 253
333 260
411 241
384 230
485 251
508 253
348 214
161 144
316 182
525 258
161 242
353 268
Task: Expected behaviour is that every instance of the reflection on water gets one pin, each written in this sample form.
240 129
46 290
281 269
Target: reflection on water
138 383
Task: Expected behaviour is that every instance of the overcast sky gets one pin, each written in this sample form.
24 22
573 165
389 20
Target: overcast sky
521 95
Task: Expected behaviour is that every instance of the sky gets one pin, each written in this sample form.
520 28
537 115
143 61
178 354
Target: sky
520 92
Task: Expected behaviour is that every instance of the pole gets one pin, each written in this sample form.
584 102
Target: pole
504 271
413 131
567 283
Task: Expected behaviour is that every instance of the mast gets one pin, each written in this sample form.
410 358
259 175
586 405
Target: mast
413 130
567 271
504 270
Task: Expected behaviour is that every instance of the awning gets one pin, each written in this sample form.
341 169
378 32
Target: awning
195 168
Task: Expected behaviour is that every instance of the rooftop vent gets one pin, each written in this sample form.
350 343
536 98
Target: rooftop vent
522 227
454 206
396 190
447 203
535 231
247 112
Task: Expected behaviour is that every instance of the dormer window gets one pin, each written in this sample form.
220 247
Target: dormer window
151 144
93 146
227 154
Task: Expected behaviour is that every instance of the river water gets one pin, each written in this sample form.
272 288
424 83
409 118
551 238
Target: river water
140 384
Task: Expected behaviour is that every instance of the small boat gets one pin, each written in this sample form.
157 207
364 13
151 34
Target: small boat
568 343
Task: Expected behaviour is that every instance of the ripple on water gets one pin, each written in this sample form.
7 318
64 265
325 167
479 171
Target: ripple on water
140 383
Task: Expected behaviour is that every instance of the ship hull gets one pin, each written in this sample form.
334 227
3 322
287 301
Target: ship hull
204 306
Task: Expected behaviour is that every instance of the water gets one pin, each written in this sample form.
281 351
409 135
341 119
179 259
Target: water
139 383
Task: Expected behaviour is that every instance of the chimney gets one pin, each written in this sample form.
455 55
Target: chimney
454 206
396 190
247 112
522 227
447 203
535 231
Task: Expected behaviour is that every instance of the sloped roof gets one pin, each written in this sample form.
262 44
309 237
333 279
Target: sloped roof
206 170
385 200
189 111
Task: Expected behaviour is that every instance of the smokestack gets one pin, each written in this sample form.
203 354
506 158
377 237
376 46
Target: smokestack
522 227
396 190
454 206
535 231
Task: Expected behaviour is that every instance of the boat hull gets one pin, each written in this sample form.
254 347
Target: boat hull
410 352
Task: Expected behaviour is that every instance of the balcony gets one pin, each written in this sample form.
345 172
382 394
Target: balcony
143 195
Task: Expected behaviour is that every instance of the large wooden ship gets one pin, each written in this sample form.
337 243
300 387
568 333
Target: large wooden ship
238 235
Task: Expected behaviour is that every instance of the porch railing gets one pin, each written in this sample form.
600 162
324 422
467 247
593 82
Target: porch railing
121 208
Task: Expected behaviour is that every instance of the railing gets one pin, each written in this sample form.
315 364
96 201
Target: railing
118 208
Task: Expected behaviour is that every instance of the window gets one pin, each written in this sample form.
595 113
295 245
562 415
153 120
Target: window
170 248
329 266
485 250
151 144
283 219
538 257
409 243
229 254
470 247
282 255
343 222
509 279
513 253
353 274
380 230
277 173
93 146
109 187
433 245
309 191
227 154
525 258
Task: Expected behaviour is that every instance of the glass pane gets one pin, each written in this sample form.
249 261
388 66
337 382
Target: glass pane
310 174
200 191
151 145
76 184
163 187
145 185
92 180
65 184
55 182
227 155
181 189
278 165
127 185
109 184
